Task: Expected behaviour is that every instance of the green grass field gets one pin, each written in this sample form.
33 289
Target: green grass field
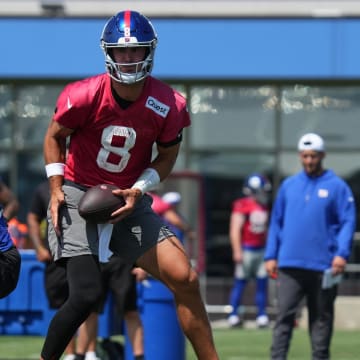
254 344
232 344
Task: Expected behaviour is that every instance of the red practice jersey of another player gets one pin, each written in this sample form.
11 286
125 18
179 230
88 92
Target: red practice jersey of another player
254 230
112 144
159 205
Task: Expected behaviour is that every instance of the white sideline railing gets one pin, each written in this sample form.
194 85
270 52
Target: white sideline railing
250 309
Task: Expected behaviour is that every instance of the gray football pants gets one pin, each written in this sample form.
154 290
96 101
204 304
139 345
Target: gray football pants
292 286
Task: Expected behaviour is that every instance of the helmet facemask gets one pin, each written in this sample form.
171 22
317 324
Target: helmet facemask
116 70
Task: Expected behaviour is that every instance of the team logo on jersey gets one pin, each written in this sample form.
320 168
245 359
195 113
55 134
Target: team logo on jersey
157 106
323 193
69 103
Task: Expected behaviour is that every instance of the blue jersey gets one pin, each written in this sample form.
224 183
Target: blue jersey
313 220
5 239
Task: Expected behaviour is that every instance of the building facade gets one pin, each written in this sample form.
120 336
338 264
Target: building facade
254 85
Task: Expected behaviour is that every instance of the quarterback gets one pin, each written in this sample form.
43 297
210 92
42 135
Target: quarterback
112 122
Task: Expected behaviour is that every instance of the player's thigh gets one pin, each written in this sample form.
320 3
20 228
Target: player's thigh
259 264
79 237
137 233
247 264
168 261
253 263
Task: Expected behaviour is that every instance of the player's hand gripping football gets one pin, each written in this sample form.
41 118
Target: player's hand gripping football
131 197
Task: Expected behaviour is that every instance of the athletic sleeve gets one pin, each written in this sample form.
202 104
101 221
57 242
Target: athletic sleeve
241 206
346 212
177 119
275 227
76 102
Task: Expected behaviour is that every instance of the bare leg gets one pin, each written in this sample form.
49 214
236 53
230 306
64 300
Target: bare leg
87 334
135 332
168 262
70 348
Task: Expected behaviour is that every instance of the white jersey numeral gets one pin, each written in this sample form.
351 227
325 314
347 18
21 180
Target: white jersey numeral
258 221
106 141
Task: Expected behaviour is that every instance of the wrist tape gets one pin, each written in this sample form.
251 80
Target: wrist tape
54 169
148 180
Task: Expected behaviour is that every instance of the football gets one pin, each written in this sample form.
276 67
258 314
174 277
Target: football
98 203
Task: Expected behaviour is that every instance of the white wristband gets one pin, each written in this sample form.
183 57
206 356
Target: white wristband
148 180
54 169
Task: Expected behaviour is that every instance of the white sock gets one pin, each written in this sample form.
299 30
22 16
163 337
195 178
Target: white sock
91 355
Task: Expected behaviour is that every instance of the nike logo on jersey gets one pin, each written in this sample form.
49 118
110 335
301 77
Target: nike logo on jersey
136 231
69 104
157 106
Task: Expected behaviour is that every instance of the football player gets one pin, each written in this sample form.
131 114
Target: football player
112 121
248 230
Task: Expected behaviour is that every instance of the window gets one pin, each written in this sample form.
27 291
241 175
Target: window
6 115
34 108
236 129
333 112
231 117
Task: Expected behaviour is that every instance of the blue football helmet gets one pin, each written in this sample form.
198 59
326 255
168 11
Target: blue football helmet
256 184
128 29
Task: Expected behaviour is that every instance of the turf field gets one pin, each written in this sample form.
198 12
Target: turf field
254 344
232 344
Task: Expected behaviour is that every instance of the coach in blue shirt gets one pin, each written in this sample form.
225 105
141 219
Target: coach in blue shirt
311 231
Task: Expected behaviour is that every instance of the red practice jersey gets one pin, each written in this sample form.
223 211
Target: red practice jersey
254 231
159 205
114 145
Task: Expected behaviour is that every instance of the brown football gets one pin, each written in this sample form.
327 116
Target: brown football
98 203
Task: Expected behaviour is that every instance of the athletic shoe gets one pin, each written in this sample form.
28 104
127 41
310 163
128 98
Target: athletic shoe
234 320
262 321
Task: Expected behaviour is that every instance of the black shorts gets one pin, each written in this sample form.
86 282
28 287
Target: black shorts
56 285
10 261
117 278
